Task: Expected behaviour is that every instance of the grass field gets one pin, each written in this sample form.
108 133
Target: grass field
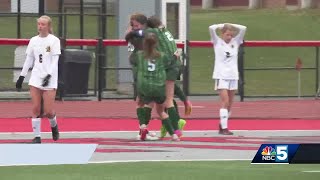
230 170
262 25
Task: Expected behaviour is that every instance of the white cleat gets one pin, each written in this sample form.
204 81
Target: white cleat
152 136
175 137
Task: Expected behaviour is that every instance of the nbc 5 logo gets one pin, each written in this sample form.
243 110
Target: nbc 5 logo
282 153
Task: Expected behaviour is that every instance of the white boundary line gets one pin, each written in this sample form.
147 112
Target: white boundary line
167 160
191 131
269 163
193 106
133 161
311 171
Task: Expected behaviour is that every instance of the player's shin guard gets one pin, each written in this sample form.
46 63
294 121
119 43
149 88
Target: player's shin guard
174 117
224 118
148 111
167 124
141 116
177 108
36 126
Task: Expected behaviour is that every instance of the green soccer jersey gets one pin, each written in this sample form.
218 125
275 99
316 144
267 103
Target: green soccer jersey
151 74
166 42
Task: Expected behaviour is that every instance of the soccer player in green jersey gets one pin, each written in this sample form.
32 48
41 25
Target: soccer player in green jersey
167 44
138 21
151 68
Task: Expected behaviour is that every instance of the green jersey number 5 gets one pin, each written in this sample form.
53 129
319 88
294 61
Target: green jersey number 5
151 66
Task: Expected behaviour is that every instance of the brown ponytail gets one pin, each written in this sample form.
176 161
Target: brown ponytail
149 46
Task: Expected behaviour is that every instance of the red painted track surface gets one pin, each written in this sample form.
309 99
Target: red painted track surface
209 109
95 124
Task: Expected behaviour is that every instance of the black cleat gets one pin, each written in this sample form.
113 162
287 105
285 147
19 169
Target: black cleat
225 132
55 133
36 140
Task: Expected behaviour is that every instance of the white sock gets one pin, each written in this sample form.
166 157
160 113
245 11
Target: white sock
53 121
224 118
36 126
143 126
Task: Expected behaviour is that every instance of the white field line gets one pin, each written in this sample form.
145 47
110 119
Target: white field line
191 131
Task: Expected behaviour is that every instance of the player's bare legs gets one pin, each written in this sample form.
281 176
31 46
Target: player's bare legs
224 99
166 121
36 94
48 102
231 94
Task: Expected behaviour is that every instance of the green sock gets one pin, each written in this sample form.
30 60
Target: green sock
177 108
178 92
141 116
148 111
174 117
168 125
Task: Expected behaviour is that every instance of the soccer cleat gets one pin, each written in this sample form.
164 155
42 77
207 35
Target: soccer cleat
151 138
148 137
187 108
163 132
181 124
178 133
225 132
55 133
175 137
36 140
143 135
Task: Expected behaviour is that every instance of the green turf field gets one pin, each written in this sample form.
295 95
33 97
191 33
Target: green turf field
262 25
229 170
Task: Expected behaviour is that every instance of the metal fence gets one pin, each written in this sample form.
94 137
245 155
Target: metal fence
89 25
100 68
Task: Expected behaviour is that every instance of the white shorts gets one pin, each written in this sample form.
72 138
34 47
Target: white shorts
36 81
229 84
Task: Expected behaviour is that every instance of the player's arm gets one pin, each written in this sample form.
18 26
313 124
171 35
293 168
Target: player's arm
28 63
212 30
135 33
56 51
241 32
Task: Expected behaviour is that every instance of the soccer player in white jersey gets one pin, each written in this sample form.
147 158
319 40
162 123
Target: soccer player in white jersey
42 54
225 71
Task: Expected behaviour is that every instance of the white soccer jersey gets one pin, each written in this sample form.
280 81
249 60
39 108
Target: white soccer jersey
45 52
226 54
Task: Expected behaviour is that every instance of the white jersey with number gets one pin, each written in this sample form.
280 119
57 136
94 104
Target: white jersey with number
44 51
226 54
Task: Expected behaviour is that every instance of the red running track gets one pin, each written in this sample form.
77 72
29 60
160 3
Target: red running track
96 124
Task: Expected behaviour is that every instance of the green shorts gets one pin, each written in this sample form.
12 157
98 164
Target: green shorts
149 99
155 94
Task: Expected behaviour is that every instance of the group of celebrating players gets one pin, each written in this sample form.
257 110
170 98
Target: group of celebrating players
156 67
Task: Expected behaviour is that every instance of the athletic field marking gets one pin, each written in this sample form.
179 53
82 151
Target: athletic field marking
269 163
166 160
311 171
191 131
135 161
193 106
